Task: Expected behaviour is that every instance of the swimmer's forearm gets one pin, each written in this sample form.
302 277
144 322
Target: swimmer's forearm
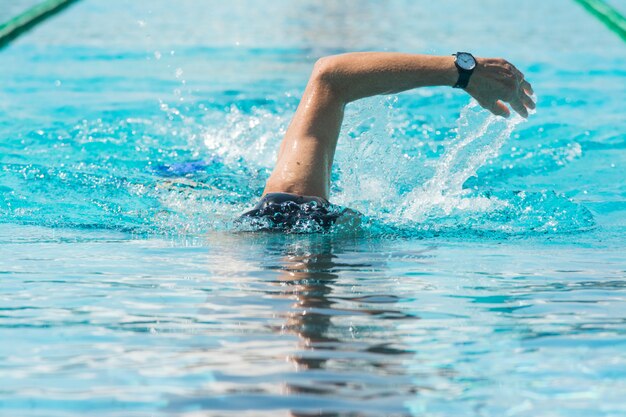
363 74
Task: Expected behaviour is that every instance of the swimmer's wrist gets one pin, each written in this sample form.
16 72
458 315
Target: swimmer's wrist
441 71
449 71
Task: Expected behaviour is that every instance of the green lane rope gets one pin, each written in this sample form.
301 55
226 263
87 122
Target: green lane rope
607 14
29 19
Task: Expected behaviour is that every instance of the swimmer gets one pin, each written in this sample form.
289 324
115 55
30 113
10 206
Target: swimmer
298 188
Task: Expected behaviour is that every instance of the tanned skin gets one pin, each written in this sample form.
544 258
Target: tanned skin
306 153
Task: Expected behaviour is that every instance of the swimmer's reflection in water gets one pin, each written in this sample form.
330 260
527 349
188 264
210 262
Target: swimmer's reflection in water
310 272
297 191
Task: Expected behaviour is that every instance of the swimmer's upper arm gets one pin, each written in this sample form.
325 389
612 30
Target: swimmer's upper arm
307 150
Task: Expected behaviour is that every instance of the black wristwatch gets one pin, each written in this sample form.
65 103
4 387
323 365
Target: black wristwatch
465 64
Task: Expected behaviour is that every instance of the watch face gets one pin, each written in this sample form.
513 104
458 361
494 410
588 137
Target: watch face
465 61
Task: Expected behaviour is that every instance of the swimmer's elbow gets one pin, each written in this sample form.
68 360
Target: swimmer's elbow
325 67
327 72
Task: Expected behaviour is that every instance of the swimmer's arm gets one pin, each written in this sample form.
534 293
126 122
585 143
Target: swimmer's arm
306 153
362 74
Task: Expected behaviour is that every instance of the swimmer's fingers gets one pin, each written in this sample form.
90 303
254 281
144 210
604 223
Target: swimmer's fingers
497 107
517 105
516 73
527 87
528 101
520 100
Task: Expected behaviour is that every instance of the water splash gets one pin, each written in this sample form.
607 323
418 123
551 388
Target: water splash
192 169
479 139
424 193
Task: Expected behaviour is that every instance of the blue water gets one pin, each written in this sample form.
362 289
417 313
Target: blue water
487 278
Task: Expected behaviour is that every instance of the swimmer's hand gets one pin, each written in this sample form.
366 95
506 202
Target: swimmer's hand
495 82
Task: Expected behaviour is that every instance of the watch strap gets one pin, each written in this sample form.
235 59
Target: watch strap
464 77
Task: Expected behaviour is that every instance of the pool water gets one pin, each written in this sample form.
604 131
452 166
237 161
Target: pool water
487 278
